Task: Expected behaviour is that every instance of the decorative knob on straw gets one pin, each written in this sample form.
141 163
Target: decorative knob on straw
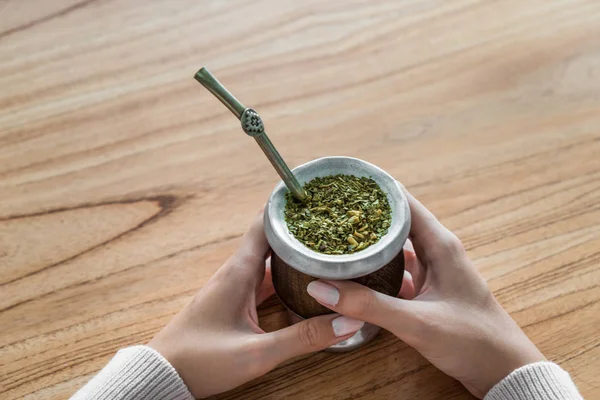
252 123
253 126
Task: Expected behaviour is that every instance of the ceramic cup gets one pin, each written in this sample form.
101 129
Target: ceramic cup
294 266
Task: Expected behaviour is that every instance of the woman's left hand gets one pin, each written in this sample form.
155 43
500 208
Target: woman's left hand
215 343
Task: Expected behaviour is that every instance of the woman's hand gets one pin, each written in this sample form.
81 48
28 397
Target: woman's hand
447 313
215 343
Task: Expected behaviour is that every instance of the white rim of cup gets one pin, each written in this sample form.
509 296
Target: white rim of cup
346 266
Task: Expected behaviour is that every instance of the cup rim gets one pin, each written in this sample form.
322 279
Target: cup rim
346 266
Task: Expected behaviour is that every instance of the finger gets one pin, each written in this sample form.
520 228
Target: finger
360 302
243 272
266 288
247 266
407 290
254 248
414 267
308 336
429 237
408 246
424 225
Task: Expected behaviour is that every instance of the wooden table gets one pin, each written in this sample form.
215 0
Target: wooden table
124 184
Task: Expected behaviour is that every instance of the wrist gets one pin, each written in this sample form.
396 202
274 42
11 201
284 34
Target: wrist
514 351
169 347
503 348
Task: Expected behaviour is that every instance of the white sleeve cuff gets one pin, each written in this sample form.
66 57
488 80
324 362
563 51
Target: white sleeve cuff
538 381
137 372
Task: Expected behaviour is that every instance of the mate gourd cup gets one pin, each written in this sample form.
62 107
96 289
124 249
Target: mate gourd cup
293 265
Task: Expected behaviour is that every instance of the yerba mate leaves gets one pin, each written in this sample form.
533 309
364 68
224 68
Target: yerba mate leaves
342 214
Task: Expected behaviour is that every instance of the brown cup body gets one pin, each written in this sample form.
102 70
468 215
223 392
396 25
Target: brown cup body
290 285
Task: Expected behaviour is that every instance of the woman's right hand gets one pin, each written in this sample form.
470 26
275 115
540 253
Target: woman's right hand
447 312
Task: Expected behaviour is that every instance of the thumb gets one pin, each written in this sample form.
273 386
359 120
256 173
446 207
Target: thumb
360 302
308 336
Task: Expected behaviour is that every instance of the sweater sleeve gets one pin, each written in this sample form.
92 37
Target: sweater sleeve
140 372
538 381
137 372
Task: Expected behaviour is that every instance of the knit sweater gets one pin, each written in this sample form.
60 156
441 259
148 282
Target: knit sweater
140 372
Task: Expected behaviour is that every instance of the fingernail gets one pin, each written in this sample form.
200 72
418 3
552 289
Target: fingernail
345 325
323 292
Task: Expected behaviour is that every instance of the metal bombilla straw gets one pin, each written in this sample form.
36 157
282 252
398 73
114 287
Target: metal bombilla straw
253 126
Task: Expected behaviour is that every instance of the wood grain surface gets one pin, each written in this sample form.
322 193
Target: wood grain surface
124 185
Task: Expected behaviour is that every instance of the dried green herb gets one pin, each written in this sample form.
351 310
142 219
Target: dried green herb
342 214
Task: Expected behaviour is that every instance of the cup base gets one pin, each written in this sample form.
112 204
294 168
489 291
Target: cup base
363 336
